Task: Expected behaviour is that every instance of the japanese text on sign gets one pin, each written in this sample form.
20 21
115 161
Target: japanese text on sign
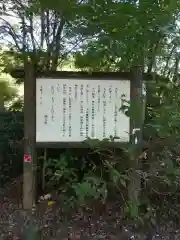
71 110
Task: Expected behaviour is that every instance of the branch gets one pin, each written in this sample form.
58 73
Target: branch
11 32
70 50
169 57
57 44
47 37
42 19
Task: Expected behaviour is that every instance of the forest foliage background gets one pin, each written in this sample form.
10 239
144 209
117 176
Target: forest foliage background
99 35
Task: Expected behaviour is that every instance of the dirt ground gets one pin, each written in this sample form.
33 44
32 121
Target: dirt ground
56 223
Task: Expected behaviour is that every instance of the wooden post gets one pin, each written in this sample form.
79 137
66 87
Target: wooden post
2 110
134 187
29 174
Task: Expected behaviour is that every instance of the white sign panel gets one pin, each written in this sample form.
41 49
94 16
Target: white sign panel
72 110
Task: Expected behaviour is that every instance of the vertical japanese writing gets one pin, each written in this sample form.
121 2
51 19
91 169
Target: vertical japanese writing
45 119
87 122
116 92
87 111
110 94
115 113
104 113
52 90
87 93
99 98
93 113
64 109
70 111
41 94
75 91
64 116
81 110
64 89
58 88
52 109
52 101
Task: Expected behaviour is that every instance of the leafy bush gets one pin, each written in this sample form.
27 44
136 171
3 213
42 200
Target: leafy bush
63 174
91 181
10 140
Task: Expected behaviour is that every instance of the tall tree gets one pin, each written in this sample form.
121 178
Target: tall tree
36 31
127 32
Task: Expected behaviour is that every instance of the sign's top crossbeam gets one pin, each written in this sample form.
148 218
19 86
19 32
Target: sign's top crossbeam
19 73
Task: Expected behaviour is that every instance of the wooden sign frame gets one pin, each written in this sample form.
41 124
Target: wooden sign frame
84 75
135 77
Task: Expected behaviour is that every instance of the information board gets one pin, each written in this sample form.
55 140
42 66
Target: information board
72 110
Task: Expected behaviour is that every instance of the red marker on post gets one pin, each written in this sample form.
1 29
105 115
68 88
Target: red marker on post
27 158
